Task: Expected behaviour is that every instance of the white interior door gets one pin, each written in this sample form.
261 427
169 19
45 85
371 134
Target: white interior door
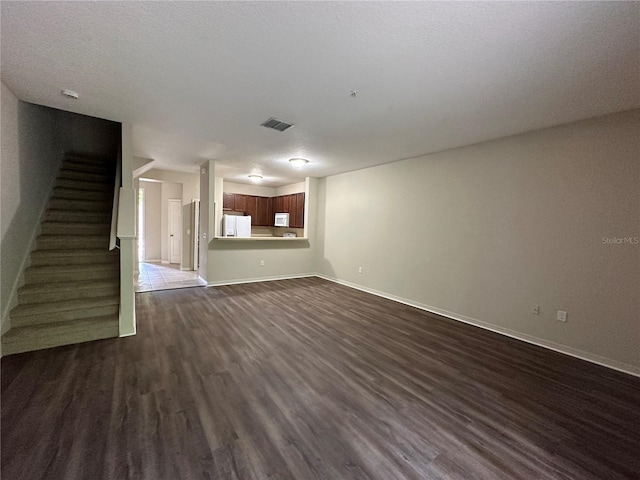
175 231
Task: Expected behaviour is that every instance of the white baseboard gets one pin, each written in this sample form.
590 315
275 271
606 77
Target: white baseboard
151 260
260 279
556 347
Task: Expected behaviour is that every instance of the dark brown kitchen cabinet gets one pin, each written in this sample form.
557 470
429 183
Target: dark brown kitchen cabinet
251 208
293 205
263 209
227 201
278 203
293 213
239 203
262 213
298 210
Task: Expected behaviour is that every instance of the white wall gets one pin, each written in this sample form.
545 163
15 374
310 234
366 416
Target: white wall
485 232
261 191
290 189
242 189
190 182
152 220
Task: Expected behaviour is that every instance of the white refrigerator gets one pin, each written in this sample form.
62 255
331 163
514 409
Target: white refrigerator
236 226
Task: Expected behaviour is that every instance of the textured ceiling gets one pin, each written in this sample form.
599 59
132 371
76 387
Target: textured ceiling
196 79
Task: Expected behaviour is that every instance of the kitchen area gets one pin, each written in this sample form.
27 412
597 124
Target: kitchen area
251 212
255 247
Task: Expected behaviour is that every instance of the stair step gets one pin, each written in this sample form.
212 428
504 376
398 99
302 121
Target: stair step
73 257
72 164
80 205
84 185
92 177
59 291
110 162
71 242
70 273
73 228
53 215
64 311
75 194
38 337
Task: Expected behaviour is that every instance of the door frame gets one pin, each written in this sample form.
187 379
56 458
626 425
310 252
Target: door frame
173 201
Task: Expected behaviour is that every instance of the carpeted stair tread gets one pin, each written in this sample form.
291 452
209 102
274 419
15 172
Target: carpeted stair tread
37 337
45 269
70 273
77 194
63 306
54 215
75 228
91 176
83 185
72 257
84 167
81 205
58 242
59 291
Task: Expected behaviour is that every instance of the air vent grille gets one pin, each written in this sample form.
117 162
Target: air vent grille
277 124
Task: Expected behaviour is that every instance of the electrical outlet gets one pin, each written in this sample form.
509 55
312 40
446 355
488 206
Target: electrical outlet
359 269
535 310
561 316
262 263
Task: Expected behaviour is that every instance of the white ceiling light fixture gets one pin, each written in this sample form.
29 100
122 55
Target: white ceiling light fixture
298 162
70 94
255 178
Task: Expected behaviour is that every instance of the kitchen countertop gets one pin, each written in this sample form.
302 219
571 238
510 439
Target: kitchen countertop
288 239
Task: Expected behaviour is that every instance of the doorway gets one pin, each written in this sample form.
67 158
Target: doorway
166 225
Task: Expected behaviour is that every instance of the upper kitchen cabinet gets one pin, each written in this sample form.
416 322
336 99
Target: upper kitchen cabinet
251 208
262 207
259 208
240 203
298 210
292 204
263 216
227 201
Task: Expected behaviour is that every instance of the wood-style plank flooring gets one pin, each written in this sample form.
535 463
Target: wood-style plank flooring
306 379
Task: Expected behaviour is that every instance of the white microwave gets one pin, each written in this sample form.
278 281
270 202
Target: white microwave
282 220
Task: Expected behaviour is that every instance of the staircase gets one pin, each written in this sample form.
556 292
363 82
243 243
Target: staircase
71 292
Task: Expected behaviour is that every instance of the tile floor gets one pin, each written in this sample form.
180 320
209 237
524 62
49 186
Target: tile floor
156 276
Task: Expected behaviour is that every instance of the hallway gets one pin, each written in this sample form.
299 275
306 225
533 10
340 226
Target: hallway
156 276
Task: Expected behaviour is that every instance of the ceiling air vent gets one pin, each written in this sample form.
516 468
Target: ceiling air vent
277 124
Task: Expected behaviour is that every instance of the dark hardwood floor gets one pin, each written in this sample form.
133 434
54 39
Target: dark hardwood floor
306 379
